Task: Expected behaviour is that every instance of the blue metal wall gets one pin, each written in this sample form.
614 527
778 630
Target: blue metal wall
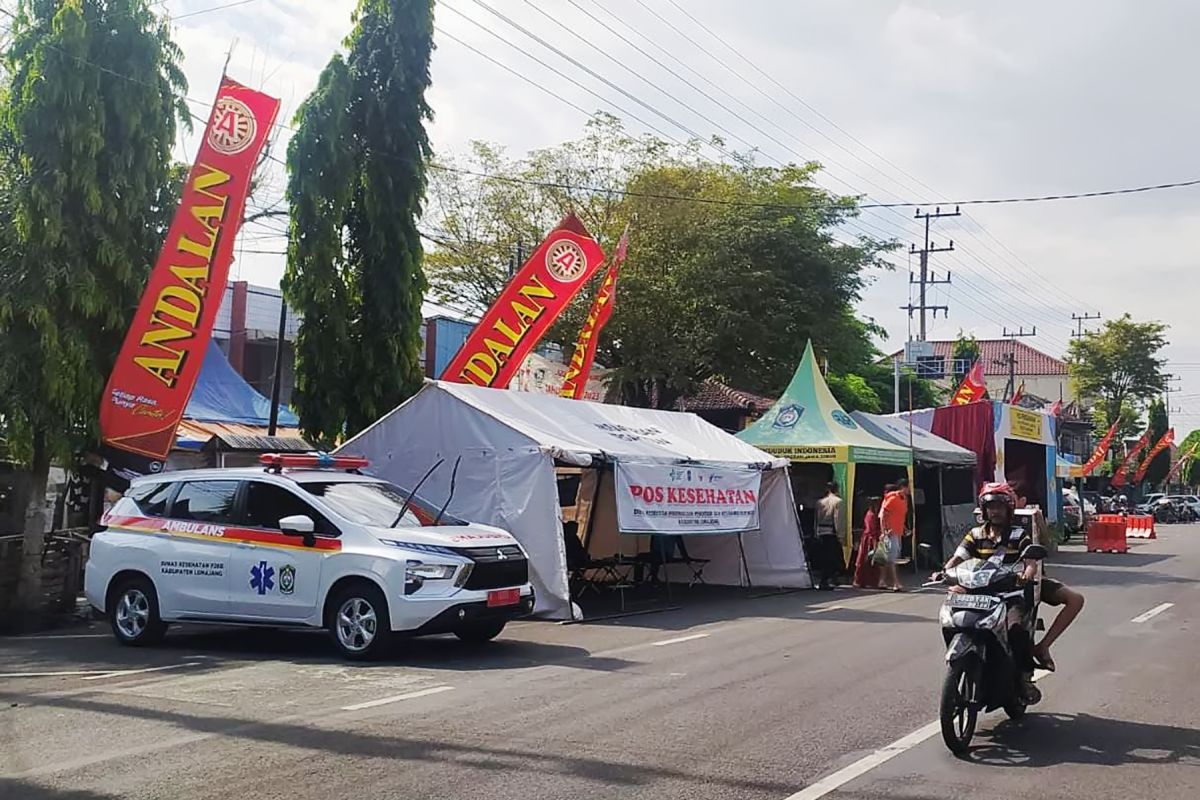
449 336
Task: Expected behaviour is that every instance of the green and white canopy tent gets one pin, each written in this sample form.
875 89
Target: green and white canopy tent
807 425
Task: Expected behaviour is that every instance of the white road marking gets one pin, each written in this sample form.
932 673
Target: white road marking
678 639
121 672
1154 612
383 701
62 674
837 780
65 636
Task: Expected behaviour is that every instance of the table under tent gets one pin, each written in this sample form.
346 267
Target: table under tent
529 462
943 485
808 427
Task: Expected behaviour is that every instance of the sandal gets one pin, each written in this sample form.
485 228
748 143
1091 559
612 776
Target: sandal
1043 661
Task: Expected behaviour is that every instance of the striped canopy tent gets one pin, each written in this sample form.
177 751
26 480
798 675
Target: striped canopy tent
808 426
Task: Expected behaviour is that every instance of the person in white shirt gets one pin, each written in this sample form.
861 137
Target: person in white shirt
830 537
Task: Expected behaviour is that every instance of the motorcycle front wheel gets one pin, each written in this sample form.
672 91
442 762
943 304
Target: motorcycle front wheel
957 714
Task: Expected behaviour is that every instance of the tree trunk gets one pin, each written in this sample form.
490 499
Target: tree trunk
29 589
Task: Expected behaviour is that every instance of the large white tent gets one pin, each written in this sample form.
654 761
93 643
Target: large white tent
510 444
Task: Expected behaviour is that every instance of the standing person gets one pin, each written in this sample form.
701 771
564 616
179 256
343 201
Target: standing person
894 514
866 574
830 536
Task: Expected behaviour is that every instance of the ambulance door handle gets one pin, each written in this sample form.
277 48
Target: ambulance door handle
246 545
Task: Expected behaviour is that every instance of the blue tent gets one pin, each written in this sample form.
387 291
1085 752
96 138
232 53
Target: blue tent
222 395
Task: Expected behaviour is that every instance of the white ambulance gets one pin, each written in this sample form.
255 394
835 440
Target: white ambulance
306 541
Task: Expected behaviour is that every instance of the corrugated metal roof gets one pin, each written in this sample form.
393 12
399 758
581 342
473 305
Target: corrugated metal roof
261 443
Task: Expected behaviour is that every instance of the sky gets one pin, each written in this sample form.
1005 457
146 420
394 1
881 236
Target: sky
927 102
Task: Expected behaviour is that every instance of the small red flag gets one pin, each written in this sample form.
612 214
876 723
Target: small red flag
1056 409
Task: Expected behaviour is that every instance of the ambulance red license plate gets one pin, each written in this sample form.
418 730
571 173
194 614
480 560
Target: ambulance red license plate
503 597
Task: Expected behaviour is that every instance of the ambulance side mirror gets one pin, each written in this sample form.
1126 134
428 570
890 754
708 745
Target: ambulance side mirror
299 525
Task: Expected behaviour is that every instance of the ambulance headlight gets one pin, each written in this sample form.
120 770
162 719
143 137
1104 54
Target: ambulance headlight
421 571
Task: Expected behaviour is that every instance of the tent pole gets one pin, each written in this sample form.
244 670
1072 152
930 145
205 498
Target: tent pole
745 566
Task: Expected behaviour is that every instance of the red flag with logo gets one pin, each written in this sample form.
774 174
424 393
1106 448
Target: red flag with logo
1119 477
1101 450
160 359
1166 441
973 386
528 306
580 366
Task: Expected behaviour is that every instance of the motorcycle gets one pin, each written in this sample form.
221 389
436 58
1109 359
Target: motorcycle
981 670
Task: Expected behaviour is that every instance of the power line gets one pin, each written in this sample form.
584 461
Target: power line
1020 264
211 9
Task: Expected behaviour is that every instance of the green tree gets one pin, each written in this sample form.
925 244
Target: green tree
854 393
88 115
1156 417
963 354
1190 473
476 220
356 181
737 290
1119 364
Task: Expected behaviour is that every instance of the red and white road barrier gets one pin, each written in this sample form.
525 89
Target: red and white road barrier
1106 534
1140 527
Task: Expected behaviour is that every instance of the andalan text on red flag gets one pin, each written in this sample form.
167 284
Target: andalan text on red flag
163 350
528 306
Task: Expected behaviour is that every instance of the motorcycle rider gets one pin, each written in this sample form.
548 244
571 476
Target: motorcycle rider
998 534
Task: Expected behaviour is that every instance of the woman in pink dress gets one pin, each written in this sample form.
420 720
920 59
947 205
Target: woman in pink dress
866 574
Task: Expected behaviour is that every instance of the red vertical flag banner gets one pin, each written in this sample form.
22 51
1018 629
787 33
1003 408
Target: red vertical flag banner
973 386
160 359
1101 451
1166 441
1119 478
527 307
580 366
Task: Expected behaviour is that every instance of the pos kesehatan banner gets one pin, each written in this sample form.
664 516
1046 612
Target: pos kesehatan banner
580 366
527 307
671 499
161 357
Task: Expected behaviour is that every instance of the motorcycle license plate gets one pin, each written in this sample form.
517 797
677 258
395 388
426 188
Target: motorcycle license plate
503 597
980 602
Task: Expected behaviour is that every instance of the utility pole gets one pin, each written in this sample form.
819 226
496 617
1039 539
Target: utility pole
1079 320
1168 380
1010 360
926 277
277 379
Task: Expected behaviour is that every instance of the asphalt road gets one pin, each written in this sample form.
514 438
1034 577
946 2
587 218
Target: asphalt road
798 696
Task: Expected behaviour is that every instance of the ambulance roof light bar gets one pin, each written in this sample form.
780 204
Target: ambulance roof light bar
277 462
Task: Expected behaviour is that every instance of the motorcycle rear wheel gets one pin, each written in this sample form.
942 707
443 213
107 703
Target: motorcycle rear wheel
957 715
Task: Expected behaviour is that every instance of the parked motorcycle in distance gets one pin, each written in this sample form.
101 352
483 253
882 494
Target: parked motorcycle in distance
981 672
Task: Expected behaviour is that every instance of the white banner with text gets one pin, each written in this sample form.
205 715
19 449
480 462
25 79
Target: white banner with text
672 499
